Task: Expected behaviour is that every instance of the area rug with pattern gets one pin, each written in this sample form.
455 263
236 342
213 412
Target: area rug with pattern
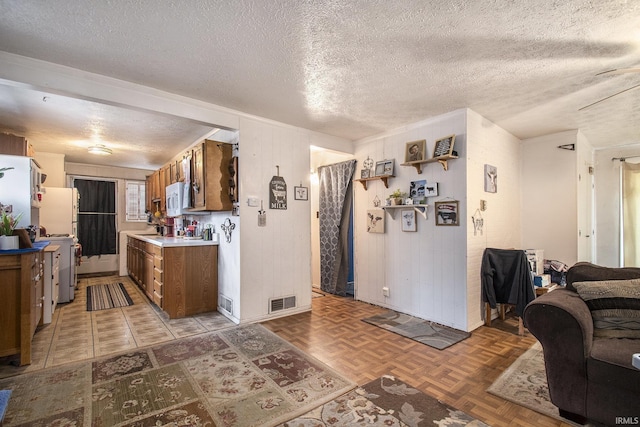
243 376
423 331
525 383
386 401
110 295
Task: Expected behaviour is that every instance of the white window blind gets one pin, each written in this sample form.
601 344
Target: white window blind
136 201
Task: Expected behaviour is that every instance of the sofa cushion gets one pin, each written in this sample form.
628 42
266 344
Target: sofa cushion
587 272
614 306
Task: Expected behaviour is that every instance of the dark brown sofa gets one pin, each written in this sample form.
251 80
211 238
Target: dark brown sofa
590 378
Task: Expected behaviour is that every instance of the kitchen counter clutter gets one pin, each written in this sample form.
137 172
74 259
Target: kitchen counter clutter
178 275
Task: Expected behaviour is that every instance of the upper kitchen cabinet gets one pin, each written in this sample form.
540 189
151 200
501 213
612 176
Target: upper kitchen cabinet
162 184
210 180
15 145
153 192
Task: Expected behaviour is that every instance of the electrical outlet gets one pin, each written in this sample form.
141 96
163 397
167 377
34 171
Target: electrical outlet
385 291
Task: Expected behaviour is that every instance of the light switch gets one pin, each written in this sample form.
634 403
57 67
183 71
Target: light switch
252 201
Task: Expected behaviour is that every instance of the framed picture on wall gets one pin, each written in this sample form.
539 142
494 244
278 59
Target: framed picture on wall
409 220
490 179
301 193
431 189
415 151
416 189
444 146
375 221
447 213
384 168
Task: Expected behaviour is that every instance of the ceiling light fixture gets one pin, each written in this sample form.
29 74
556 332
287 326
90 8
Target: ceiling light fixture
100 149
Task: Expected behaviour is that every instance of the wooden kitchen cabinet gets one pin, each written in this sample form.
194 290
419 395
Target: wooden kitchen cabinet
15 145
162 188
147 282
51 281
158 276
140 264
21 293
148 194
153 192
210 180
184 279
190 283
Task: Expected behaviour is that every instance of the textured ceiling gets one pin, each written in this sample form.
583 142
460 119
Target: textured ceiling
347 68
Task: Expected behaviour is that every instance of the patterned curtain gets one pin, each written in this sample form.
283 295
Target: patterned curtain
335 211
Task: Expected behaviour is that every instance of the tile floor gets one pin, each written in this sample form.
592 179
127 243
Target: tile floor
76 334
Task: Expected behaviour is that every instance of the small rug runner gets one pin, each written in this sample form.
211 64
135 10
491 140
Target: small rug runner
111 295
423 331
239 377
525 383
386 401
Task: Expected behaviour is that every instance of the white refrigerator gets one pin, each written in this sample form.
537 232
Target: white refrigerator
58 215
59 211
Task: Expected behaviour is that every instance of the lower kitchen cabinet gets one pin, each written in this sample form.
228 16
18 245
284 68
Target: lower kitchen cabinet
51 281
181 280
21 294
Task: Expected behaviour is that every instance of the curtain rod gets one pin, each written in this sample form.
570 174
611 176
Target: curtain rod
622 159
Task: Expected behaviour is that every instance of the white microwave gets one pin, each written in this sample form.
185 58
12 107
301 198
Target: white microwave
177 195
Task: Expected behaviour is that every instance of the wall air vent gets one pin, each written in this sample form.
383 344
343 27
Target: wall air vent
277 304
226 304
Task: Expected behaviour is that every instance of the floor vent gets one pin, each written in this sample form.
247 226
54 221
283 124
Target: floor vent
226 304
284 303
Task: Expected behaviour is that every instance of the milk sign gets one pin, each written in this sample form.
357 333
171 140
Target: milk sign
277 193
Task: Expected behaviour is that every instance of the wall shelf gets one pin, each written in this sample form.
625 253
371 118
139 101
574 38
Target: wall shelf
440 159
383 178
421 209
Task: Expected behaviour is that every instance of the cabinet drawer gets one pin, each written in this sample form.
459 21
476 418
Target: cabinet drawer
157 251
158 275
157 300
157 287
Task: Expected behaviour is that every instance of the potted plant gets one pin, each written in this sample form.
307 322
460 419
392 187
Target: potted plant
8 223
397 197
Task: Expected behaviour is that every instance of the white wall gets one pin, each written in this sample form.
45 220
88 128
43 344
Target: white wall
425 271
549 196
489 144
276 259
228 259
607 203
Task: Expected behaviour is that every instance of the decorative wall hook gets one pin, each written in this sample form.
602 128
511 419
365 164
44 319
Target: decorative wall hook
228 227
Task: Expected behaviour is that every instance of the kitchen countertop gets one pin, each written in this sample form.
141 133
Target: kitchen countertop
37 246
167 242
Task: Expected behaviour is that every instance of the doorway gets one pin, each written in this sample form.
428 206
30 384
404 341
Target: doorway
97 229
630 210
323 157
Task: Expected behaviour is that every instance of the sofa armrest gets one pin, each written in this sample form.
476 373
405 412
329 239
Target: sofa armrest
562 322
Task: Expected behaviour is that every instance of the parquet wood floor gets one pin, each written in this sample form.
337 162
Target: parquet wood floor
332 332
458 376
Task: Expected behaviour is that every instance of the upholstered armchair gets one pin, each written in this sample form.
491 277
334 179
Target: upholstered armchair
588 335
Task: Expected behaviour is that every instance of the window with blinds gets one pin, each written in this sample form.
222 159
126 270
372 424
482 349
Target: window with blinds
135 201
